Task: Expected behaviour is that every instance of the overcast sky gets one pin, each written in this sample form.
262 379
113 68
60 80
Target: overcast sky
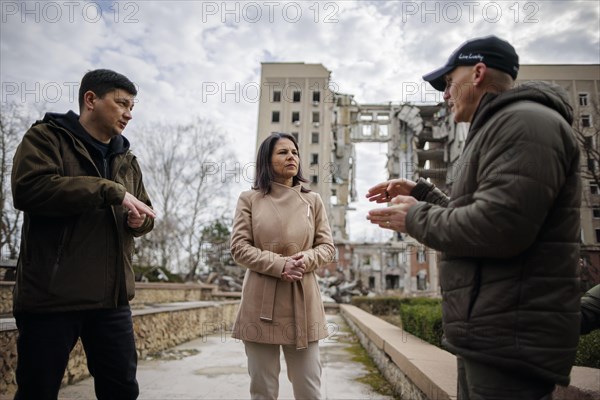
178 52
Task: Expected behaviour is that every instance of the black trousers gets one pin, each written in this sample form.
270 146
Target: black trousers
45 341
478 381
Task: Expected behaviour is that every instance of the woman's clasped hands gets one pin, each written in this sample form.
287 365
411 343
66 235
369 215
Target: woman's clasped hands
294 268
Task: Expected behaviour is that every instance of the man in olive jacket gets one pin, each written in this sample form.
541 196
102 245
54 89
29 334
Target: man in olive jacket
84 201
509 233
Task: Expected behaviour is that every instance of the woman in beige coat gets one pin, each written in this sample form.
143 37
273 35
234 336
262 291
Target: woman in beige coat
281 235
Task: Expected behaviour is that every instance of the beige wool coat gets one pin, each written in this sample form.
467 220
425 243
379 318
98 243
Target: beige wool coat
266 230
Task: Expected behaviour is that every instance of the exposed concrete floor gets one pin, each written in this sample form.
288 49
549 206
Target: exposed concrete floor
216 369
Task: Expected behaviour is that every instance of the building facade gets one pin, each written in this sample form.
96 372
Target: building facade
295 98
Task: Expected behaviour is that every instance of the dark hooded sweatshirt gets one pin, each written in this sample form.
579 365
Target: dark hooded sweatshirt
509 235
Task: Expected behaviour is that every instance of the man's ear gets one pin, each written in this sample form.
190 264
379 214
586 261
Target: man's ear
479 72
89 98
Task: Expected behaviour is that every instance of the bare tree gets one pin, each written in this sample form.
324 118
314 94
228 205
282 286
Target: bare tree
184 167
14 122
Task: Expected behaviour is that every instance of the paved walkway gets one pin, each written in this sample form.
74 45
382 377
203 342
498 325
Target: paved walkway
215 368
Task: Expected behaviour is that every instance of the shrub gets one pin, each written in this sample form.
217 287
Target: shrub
424 321
378 305
421 316
588 351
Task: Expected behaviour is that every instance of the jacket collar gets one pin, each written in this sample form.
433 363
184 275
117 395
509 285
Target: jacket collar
278 188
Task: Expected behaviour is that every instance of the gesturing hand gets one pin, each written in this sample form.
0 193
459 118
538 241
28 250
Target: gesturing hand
294 268
385 191
133 221
394 216
137 211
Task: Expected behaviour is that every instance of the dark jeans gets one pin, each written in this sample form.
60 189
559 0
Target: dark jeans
45 341
477 381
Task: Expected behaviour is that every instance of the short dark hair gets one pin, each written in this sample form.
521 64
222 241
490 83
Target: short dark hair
102 81
264 168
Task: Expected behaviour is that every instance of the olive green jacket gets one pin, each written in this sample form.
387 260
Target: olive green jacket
75 245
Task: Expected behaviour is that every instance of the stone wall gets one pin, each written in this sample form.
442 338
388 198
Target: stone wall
156 329
6 297
153 293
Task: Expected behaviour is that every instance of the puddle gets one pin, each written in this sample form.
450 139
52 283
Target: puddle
212 372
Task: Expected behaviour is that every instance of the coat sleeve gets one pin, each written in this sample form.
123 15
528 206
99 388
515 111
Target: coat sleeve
39 185
141 194
428 192
519 171
590 310
323 250
243 251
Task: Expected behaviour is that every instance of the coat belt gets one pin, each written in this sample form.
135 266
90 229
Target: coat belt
268 300
300 322
300 315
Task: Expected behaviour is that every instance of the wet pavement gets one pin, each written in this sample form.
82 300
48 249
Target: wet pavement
214 367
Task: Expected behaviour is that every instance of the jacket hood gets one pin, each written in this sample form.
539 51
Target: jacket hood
70 121
545 93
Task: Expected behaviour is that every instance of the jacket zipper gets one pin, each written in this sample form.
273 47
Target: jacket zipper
474 291
105 167
59 251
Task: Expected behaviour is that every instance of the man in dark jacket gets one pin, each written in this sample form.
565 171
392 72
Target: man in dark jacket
509 233
83 199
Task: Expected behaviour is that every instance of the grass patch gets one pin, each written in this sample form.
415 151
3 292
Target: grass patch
373 377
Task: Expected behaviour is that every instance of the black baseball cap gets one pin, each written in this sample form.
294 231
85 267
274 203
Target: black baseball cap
490 50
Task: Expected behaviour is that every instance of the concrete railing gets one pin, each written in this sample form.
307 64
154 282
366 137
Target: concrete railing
145 293
418 370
